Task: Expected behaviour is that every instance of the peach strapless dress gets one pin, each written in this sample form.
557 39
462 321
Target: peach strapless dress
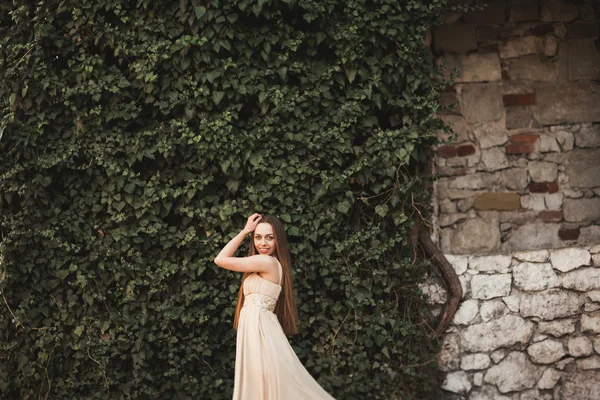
266 366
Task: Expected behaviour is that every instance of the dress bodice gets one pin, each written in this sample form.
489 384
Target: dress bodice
260 291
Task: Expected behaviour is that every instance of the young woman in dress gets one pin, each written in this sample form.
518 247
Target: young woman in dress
266 366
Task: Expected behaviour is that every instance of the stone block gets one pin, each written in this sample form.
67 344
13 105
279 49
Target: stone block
466 312
580 210
479 180
590 323
454 38
492 309
490 135
570 258
534 236
589 235
586 12
490 286
550 304
546 352
457 382
519 118
475 361
539 256
548 144
514 373
533 276
582 279
579 346
459 132
549 378
565 139
516 47
554 201
550 46
492 263
481 103
541 171
583 60
533 67
584 169
459 263
588 135
558 327
524 10
474 67
592 362
556 103
514 178
494 159
558 10
476 236
502 332
580 385
497 201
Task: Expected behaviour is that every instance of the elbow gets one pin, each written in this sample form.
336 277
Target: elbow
217 261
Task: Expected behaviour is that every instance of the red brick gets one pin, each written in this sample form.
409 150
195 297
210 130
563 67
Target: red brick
523 138
550 216
519 149
446 151
568 233
513 100
538 187
465 150
553 187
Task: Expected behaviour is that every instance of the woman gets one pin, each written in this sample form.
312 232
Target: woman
266 367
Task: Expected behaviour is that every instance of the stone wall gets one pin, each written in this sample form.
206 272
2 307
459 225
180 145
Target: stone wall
528 328
524 170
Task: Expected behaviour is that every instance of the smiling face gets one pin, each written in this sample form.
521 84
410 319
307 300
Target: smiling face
264 239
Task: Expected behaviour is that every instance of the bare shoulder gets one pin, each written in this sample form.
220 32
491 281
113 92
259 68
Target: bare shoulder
271 272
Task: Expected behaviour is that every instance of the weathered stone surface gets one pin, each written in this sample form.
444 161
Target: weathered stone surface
514 178
450 219
582 279
454 38
490 135
436 294
516 47
448 359
474 67
494 159
519 118
558 10
579 346
594 296
555 103
549 379
588 136
565 140
533 67
493 14
489 286
590 323
546 352
550 46
514 373
481 103
457 382
474 362
554 201
476 236
504 331
584 169
533 236
466 312
592 362
558 327
596 342
583 60
477 378
569 258
550 304
459 263
487 392
579 210
497 201
512 302
542 171
580 386
498 355
534 276
589 235
538 256
480 180
492 309
524 10
548 144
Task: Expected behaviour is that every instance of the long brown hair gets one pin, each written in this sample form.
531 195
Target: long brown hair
285 308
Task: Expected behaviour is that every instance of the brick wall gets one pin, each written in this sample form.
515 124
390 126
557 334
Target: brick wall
524 172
